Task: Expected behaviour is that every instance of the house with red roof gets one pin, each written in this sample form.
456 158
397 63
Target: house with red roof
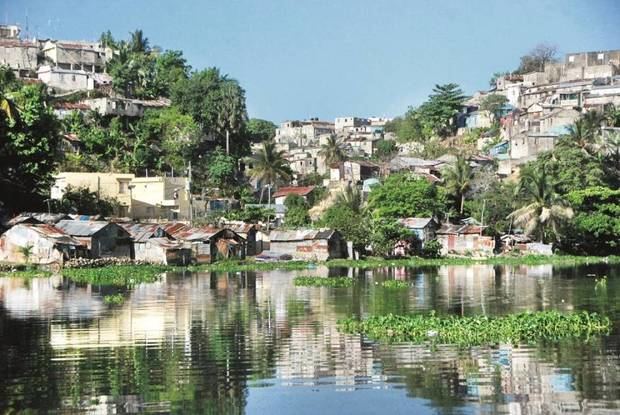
283 192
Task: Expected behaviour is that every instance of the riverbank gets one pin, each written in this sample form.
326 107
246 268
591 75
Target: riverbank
131 274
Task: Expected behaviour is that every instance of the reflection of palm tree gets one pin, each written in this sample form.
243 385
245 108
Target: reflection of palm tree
545 207
269 165
332 151
459 178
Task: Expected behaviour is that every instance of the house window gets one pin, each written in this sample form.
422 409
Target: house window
601 56
123 186
571 59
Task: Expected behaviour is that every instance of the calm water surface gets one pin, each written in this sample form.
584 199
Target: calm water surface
254 343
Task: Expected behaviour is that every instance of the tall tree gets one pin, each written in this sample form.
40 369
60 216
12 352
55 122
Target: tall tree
261 130
459 179
232 114
332 151
544 207
138 42
269 166
537 59
441 108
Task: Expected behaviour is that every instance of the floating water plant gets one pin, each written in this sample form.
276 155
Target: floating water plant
114 299
119 275
395 284
336 282
479 330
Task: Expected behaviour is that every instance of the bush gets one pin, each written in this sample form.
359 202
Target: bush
432 249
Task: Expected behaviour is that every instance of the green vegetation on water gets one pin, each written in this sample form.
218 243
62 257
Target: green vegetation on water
479 330
337 282
118 275
114 299
395 284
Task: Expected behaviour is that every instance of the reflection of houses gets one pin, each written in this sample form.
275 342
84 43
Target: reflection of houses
46 244
465 239
309 244
102 239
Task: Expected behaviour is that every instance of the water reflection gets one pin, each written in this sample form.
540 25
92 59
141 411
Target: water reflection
247 342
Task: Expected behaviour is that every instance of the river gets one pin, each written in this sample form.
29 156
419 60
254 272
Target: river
255 343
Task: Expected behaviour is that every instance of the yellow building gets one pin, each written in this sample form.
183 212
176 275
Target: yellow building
165 198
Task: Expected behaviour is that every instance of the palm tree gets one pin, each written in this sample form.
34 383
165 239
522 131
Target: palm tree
138 42
544 206
269 166
350 197
231 110
332 151
584 132
610 148
458 179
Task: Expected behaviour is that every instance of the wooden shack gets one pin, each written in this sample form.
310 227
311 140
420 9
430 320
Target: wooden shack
309 244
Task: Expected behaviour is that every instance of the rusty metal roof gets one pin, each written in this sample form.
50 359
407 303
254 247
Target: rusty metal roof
300 235
184 232
141 232
167 243
81 227
295 190
415 223
450 229
49 218
51 232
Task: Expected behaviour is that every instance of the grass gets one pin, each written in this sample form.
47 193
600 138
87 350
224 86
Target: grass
479 330
396 284
335 282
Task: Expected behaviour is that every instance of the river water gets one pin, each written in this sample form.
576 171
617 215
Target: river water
254 343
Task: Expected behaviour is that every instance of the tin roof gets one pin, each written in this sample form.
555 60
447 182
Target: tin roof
294 190
49 218
301 235
183 232
51 232
451 229
166 243
415 223
141 232
81 228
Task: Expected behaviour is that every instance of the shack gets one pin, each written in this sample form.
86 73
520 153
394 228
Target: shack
40 244
209 244
423 228
102 239
248 232
309 244
465 239
151 243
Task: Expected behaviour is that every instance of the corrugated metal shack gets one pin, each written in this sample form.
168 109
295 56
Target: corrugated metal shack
465 239
47 245
103 239
309 244
209 244
248 232
152 244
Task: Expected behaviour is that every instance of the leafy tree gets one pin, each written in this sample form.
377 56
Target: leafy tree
544 207
296 211
386 149
221 171
332 151
252 214
232 114
353 225
81 200
595 228
138 42
170 68
570 169
459 179
538 58
441 108
384 234
494 104
404 195
493 205
261 130
269 166
30 135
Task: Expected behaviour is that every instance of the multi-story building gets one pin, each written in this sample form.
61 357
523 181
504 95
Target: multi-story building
76 55
19 55
303 133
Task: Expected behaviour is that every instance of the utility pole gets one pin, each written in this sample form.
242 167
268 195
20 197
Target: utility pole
188 188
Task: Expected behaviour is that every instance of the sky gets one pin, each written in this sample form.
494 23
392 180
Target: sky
299 59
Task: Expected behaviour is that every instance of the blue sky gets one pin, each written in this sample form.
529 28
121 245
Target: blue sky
325 58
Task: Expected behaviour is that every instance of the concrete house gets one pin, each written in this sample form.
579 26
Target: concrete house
309 244
49 245
19 55
283 192
423 228
102 239
465 240
354 171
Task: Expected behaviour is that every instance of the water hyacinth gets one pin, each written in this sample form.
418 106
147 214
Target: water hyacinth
117 275
337 282
479 330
